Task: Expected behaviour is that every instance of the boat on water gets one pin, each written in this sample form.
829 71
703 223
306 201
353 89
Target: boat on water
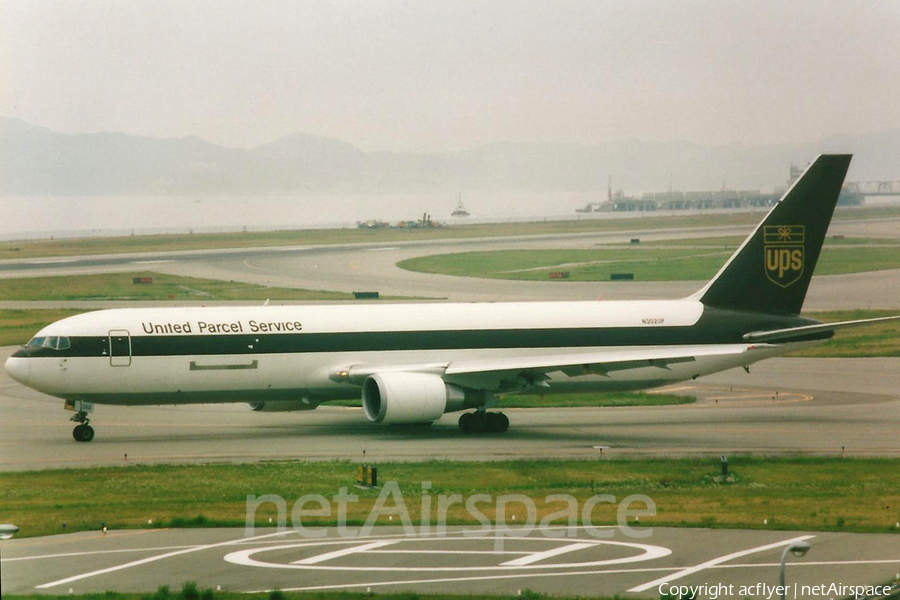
460 210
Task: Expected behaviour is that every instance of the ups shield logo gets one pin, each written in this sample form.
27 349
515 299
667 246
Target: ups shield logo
784 253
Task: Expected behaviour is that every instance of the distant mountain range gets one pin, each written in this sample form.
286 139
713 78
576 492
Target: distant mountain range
37 161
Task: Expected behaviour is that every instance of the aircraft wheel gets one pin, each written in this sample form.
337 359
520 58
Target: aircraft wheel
465 422
83 433
499 422
492 421
479 422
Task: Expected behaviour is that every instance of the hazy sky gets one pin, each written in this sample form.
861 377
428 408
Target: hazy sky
448 75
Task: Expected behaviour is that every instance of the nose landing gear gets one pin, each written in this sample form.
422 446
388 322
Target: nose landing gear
481 421
83 432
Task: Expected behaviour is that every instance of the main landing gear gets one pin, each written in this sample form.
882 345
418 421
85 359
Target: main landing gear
82 432
481 421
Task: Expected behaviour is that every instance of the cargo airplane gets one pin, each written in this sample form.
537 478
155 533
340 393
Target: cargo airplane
411 363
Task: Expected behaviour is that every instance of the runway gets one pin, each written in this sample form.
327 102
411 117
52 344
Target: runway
560 561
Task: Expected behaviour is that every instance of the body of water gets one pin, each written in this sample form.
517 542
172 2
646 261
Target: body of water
43 217
68 217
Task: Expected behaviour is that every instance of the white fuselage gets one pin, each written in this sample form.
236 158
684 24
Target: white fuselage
272 353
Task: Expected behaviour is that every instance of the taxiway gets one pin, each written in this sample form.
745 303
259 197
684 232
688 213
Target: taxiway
813 406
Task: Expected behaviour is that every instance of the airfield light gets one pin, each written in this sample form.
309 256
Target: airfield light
798 549
7 531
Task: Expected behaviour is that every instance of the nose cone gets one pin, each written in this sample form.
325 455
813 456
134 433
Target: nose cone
18 368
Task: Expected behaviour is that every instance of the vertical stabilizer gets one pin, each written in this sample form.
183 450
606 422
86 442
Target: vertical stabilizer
771 270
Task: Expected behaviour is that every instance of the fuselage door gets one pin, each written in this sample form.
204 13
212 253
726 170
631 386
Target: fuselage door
119 348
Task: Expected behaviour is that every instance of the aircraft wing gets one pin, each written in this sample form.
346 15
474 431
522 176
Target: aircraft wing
784 335
527 370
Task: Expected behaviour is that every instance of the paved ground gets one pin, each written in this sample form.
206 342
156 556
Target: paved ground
372 267
783 405
391 559
375 269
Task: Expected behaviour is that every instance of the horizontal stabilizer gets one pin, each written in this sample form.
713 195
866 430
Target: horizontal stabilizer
782 335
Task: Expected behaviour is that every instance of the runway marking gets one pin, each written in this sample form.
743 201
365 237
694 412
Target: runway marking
567 574
744 397
244 557
380 249
821 563
714 562
538 556
51 261
151 262
90 552
345 552
785 398
732 395
149 559
465 552
473 578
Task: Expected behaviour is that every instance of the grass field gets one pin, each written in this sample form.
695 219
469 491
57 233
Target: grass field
647 264
852 494
164 243
613 399
733 241
120 286
880 339
18 326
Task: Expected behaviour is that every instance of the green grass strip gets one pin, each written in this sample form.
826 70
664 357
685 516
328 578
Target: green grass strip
646 264
121 286
869 341
735 240
853 494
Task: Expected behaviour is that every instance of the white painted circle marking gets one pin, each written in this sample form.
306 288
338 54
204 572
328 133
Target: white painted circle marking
245 557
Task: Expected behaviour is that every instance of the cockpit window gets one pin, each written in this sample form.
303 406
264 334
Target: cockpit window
52 342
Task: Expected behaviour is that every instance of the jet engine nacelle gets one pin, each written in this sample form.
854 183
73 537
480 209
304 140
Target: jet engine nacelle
282 405
413 398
